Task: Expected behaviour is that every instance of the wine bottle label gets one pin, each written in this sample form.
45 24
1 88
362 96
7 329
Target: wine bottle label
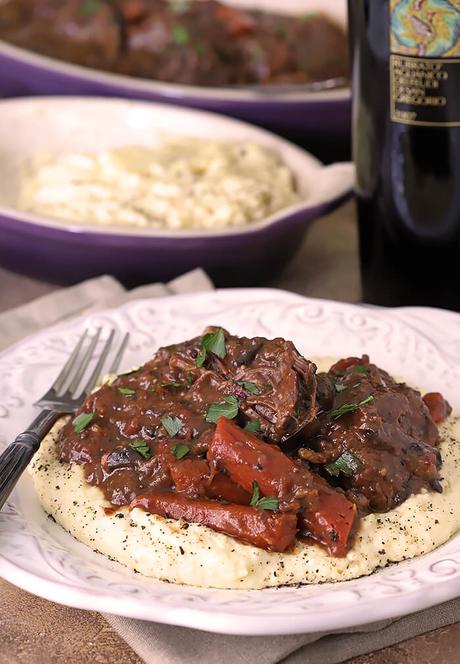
425 62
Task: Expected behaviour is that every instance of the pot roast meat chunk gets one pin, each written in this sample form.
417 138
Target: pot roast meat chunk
389 441
181 46
14 14
272 381
285 52
66 29
276 384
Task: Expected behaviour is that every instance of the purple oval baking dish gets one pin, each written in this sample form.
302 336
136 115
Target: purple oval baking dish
65 252
319 114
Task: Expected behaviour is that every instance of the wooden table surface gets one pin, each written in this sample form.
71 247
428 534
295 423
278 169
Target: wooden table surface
35 631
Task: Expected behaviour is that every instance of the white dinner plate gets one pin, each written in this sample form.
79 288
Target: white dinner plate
422 345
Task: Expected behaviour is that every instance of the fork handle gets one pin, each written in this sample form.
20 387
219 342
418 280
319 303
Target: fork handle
15 459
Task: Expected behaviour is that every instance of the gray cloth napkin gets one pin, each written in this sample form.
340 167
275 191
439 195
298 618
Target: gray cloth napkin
100 293
163 644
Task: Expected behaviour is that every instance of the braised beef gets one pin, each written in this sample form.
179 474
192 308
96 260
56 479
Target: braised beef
14 15
197 43
367 441
391 437
270 380
78 32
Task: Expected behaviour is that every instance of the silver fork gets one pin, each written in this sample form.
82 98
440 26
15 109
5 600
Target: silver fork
64 396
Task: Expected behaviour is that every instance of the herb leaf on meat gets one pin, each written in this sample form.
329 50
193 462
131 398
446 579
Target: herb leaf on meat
340 387
172 425
127 391
213 342
360 368
253 426
81 421
347 463
141 447
172 383
180 451
180 35
255 494
89 7
268 504
262 503
346 408
228 409
250 388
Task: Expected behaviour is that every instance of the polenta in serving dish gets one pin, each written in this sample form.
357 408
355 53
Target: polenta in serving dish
234 462
181 184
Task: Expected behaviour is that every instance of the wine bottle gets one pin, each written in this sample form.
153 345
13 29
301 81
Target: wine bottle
406 145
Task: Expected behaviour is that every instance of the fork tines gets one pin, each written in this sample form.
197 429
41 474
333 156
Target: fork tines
78 376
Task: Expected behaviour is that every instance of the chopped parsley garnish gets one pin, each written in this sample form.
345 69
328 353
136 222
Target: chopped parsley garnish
255 494
281 31
228 409
253 426
141 447
189 378
213 342
201 49
340 387
257 52
347 464
89 7
250 388
180 35
127 391
82 421
268 504
180 451
350 407
172 425
360 368
172 383
262 503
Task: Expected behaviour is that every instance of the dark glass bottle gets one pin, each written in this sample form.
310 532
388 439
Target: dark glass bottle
406 144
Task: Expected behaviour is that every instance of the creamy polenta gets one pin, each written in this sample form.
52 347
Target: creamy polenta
188 553
182 183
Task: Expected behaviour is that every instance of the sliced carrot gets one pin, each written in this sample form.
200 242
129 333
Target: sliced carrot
262 528
439 408
326 514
